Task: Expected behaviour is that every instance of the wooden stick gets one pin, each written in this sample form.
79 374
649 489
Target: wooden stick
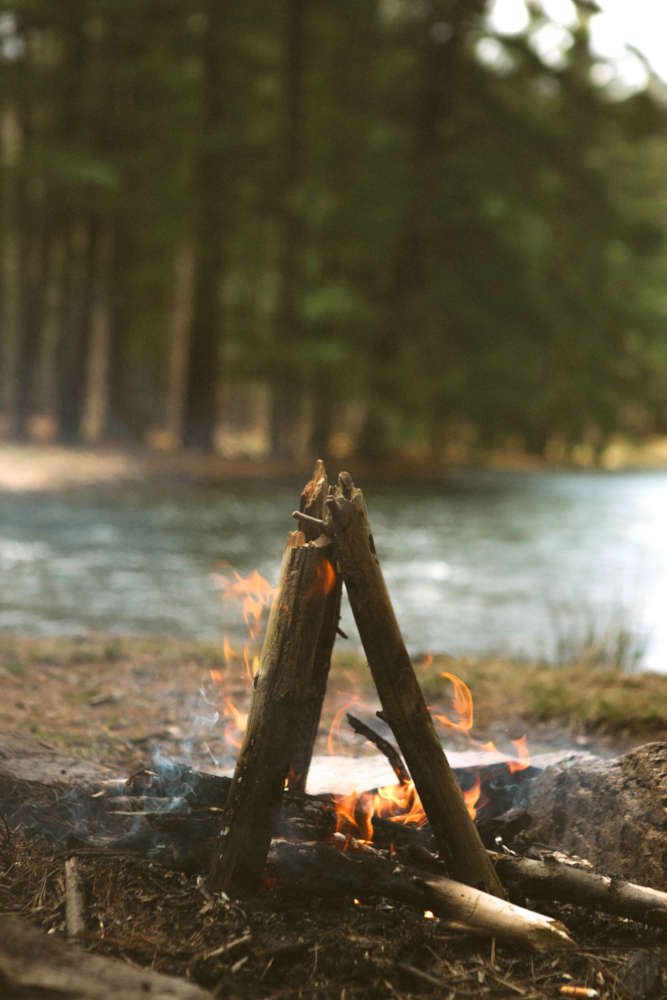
384 746
482 913
551 879
312 508
403 704
74 909
283 691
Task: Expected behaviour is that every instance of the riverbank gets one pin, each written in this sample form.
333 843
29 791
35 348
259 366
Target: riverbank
37 467
119 700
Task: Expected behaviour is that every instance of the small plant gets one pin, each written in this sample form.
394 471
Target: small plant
581 638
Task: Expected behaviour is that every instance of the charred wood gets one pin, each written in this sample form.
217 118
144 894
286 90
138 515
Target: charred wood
384 746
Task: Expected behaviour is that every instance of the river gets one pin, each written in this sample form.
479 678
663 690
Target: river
520 564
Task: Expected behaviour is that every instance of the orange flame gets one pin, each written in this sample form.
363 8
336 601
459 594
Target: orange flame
254 592
235 727
462 705
401 803
334 739
522 753
325 578
471 797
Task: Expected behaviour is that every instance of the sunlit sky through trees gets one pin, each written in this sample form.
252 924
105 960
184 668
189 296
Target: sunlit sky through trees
616 31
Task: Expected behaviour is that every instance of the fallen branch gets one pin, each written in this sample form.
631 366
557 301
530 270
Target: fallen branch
482 913
552 879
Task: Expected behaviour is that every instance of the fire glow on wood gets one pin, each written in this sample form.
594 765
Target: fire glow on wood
355 810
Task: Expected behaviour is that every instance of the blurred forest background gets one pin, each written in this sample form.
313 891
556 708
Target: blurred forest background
370 226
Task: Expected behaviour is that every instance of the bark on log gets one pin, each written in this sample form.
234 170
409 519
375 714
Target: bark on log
283 691
312 504
33 964
403 704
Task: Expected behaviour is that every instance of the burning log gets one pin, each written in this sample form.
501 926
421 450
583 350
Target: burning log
404 708
184 835
33 964
282 693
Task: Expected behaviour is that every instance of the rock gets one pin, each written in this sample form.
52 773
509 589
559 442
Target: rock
611 812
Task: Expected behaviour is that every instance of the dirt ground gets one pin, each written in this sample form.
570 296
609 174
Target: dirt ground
288 943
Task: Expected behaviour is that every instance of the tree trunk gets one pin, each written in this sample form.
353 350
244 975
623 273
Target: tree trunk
212 191
287 387
76 338
180 333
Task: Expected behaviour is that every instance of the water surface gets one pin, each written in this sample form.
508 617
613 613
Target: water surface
476 562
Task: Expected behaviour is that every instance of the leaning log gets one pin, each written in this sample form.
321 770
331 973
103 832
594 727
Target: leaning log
313 499
282 692
403 705
33 964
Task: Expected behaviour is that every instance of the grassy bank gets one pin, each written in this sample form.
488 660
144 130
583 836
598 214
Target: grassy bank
114 699
39 467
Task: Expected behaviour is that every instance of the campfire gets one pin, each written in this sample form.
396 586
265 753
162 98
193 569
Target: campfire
455 846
